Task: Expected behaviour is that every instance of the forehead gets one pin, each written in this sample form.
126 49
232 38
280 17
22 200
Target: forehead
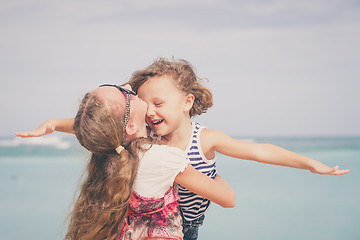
110 96
159 85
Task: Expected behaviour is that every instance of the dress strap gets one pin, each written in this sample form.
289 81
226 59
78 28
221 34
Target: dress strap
124 226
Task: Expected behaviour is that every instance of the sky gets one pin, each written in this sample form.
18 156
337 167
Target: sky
276 67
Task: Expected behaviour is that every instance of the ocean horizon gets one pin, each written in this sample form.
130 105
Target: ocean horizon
39 178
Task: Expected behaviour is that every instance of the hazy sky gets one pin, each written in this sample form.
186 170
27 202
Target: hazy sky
278 68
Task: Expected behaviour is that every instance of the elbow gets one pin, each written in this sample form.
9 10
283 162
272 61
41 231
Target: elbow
230 201
262 152
231 204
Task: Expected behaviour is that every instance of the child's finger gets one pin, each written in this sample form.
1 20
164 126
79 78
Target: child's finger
335 168
21 134
341 172
25 134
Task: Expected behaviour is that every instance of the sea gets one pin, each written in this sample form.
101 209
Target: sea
39 179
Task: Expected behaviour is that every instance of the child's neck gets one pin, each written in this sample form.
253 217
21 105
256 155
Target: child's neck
180 137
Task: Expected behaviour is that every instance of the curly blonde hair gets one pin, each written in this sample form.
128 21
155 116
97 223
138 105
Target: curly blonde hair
184 77
102 204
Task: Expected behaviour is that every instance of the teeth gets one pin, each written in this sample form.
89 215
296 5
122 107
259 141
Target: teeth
157 122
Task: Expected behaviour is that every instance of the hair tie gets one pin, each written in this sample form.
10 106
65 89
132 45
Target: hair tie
119 149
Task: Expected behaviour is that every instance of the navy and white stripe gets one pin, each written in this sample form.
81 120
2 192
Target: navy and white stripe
193 206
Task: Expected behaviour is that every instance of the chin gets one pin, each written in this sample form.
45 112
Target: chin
159 132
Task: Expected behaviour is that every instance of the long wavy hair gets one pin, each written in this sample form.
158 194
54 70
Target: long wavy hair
102 203
184 77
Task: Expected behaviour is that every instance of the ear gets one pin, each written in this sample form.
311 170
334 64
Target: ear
131 129
189 102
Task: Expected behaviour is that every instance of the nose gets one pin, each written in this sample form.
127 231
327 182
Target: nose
150 111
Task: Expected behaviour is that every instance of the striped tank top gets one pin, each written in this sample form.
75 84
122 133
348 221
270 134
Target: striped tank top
192 205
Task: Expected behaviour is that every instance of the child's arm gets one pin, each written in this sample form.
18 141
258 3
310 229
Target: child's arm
216 190
265 153
49 126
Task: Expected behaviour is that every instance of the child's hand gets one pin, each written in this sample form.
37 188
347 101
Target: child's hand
325 170
46 127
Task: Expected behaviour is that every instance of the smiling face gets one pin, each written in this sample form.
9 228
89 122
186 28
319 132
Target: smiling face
168 106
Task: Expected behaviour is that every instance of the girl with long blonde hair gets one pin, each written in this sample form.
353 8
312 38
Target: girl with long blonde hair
129 191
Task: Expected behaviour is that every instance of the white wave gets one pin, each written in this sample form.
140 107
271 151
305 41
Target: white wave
51 141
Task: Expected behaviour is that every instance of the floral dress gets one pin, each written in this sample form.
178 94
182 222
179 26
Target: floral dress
154 218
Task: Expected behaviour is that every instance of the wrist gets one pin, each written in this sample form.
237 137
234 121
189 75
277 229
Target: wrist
51 124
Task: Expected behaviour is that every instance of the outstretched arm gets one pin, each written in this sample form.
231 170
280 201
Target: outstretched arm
264 153
49 126
216 190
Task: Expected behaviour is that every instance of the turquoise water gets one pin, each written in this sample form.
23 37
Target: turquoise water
38 181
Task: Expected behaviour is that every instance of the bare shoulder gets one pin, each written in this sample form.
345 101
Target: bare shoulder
211 132
211 139
213 135
208 135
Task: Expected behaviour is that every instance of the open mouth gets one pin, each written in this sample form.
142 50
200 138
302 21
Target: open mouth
157 122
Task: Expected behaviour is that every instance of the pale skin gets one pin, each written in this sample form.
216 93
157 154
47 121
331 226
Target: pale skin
165 100
49 126
216 190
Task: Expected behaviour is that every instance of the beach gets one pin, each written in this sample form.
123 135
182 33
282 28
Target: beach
38 182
